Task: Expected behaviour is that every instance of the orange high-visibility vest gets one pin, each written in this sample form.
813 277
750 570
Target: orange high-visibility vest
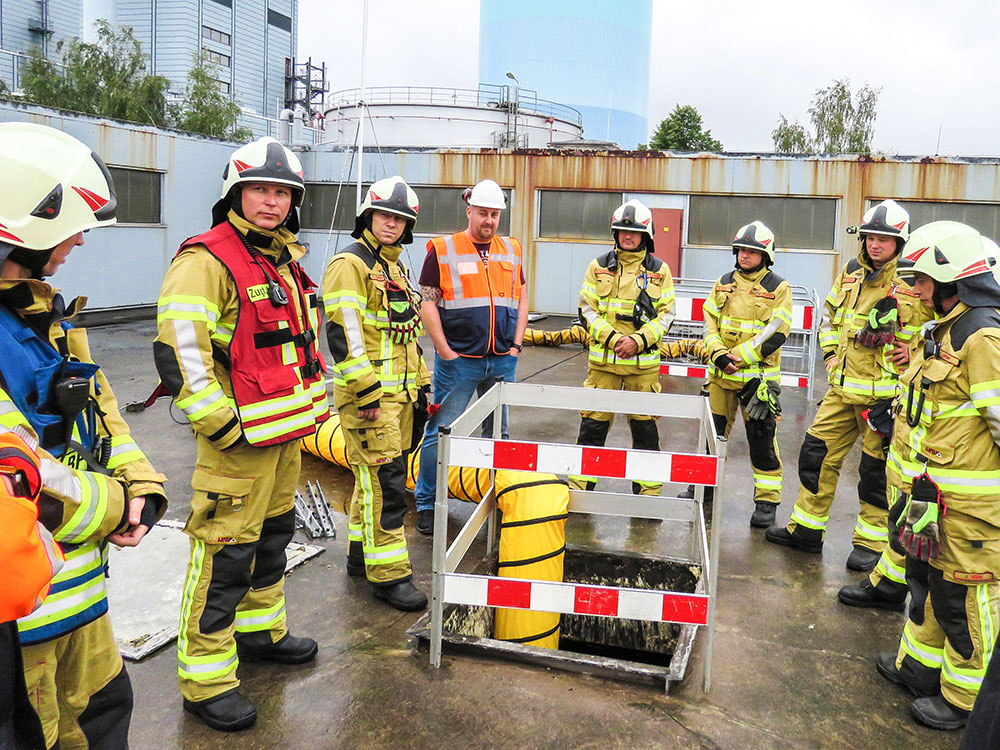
478 305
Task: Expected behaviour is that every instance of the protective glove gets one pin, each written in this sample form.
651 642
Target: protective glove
920 532
760 398
880 417
882 324
421 413
723 361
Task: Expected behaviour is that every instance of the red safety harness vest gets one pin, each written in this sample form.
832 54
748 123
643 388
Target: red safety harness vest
277 371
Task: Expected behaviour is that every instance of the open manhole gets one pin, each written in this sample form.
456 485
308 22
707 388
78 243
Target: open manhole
632 650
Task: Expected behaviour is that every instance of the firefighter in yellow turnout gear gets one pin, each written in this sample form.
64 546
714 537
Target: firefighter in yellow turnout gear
380 382
944 463
747 318
627 303
869 322
98 486
236 348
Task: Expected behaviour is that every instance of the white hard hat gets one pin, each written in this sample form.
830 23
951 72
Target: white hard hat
486 194
51 187
755 236
888 217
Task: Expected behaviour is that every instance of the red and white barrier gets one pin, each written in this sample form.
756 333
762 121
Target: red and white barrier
690 310
684 371
576 599
553 458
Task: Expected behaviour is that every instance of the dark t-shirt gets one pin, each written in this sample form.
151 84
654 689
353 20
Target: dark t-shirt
430 274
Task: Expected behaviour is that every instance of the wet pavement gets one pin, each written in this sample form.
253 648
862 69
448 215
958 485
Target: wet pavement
792 667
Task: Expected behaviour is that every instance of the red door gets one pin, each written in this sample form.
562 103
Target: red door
667 239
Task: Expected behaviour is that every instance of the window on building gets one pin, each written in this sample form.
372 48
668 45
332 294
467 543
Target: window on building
215 35
571 214
279 20
319 202
802 223
217 57
138 194
223 86
227 3
984 217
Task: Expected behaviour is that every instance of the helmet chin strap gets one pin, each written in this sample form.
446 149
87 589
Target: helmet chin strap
942 291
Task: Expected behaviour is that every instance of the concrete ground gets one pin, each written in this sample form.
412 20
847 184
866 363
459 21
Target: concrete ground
792 667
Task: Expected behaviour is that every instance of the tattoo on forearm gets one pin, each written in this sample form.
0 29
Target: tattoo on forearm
430 293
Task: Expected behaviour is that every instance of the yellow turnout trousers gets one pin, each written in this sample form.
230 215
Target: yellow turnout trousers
762 435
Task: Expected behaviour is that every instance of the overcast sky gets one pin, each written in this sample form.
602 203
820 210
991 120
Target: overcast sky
740 63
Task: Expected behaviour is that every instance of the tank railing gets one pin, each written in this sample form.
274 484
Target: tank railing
487 95
456 446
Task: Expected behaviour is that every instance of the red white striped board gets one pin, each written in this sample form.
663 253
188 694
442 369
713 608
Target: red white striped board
576 599
685 371
689 310
555 458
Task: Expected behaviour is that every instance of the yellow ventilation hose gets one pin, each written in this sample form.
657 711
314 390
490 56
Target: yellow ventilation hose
685 348
328 443
532 545
689 348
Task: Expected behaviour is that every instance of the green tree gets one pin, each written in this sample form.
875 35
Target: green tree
683 130
207 110
843 122
105 78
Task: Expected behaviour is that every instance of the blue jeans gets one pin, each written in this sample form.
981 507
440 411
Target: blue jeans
455 381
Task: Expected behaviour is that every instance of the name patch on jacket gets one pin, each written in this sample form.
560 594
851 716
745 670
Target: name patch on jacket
257 293
376 276
765 295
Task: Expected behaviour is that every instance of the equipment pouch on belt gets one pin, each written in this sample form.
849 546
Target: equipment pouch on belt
644 310
879 417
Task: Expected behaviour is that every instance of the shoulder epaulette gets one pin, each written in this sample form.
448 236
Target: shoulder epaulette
729 278
771 281
362 251
974 319
853 266
608 260
652 263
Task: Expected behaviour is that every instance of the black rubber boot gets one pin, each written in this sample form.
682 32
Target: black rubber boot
863 559
763 515
402 595
289 650
866 595
228 712
355 559
781 535
937 713
687 494
885 665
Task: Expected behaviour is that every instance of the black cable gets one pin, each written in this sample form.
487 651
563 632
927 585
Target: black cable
554 364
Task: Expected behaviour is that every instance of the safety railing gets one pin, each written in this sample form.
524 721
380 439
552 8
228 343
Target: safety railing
457 447
798 353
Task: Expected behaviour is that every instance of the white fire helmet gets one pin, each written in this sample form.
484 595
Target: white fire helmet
51 187
887 217
755 236
486 194
634 216
264 160
947 251
393 196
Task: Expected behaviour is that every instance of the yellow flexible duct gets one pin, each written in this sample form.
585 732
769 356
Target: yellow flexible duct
575 335
691 348
532 545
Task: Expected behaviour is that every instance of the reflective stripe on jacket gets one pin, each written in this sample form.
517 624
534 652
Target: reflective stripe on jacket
478 305
953 402
749 315
610 289
367 363
864 375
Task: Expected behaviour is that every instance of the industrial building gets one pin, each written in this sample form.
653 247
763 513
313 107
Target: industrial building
252 43
560 203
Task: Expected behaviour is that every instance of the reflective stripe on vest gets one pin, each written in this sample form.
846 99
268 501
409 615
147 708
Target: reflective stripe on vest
275 398
478 306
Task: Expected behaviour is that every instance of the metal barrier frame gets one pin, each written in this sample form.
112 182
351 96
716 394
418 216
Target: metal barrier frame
700 289
448 585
